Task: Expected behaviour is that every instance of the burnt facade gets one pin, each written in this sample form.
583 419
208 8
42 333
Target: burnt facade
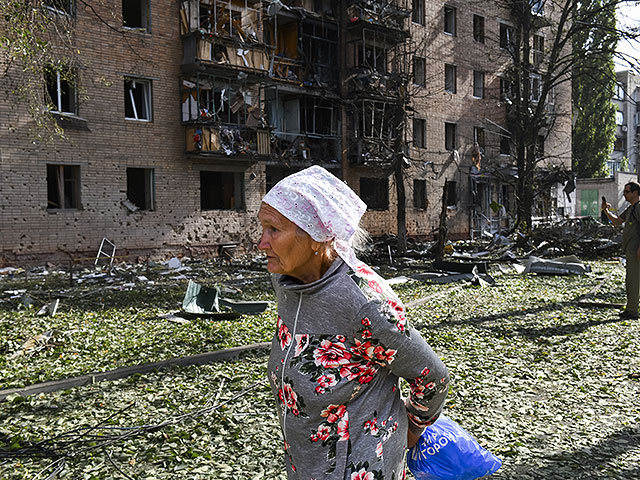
179 116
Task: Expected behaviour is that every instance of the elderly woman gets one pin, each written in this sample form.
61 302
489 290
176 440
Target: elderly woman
342 340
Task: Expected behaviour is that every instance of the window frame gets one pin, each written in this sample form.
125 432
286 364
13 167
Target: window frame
68 9
72 86
418 14
477 87
450 26
478 36
420 202
145 14
450 136
450 84
239 190
422 143
149 187
416 81
147 97
66 187
507 40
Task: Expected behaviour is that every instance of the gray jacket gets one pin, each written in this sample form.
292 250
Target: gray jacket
341 345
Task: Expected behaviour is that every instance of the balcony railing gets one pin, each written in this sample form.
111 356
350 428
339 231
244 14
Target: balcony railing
220 18
227 140
209 50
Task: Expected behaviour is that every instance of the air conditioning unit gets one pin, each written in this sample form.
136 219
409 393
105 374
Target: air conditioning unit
624 128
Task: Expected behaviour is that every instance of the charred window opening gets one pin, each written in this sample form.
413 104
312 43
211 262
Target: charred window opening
220 100
61 90
135 14
419 133
375 120
505 145
137 99
221 190
375 193
450 80
452 193
450 136
373 57
420 194
141 187
320 48
478 28
63 186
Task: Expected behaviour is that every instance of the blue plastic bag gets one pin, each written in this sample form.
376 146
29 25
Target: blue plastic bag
446 451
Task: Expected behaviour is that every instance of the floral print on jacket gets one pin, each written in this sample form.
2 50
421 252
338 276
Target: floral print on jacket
340 347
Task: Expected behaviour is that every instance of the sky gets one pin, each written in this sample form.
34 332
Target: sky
629 16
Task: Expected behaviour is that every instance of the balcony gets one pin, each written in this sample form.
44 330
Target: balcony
228 140
392 17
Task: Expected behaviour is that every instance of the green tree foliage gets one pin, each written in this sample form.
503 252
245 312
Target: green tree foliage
593 87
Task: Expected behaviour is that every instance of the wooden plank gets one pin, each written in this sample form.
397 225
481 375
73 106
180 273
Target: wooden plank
199 359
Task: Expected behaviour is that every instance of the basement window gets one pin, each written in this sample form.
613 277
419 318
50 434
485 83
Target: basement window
61 90
63 186
135 14
420 194
221 190
375 193
141 187
137 99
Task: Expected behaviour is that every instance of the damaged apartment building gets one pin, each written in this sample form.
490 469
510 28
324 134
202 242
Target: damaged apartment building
180 115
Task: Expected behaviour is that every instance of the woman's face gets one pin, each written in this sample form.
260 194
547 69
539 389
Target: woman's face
289 251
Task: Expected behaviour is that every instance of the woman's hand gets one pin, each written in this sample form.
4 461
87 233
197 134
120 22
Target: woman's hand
412 438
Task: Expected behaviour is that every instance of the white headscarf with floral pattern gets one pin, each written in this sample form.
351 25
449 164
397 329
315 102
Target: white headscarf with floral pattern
322 205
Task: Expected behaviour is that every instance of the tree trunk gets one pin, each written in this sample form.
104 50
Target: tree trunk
442 229
399 148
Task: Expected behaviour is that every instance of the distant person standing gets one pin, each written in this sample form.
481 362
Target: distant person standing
603 215
630 245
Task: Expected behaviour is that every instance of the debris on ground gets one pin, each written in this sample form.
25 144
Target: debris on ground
569 265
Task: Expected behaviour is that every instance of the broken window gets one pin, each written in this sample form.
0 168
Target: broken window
420 194
419 67
450 139
450 20
141 187
376 120
506 89
450 78
320 48
478 137
452 193
417 12
375 193
221 190
373 57
61 90
505 145
137 99
538 50
536 87
478 28
419 132
63 186
135 14
507 36
318 116
66 7
478 84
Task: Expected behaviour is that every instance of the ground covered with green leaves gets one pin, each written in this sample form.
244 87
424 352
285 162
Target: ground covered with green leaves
548 385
